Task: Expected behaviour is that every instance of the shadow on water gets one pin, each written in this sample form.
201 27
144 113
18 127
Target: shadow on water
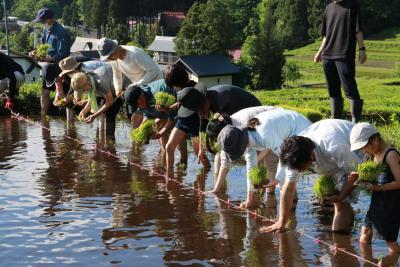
63 202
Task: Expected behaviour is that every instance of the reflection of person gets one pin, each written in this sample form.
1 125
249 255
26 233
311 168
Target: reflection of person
268 133
131 61
341 30
325 148
383 213
12 76
60 42
97 84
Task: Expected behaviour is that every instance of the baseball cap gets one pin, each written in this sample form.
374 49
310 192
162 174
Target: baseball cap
49 73
233 141
360 134
131 96
42 14
191 99
106 47
68 65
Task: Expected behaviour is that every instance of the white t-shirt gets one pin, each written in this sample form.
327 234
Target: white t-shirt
137 66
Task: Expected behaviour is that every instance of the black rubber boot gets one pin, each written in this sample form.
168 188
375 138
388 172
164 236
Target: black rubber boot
356 106
336 108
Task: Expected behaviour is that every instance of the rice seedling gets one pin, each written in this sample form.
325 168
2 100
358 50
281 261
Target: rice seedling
368 171
41 50
164 99
258 176
324 186
141 135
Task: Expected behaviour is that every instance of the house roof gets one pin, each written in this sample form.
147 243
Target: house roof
83 43
163 44
209 65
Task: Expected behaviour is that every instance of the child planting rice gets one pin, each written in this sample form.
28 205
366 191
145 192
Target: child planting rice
384 172
324 186
141 135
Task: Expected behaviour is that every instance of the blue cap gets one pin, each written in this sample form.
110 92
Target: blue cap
42 14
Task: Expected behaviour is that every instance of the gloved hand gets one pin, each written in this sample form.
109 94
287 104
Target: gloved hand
9 104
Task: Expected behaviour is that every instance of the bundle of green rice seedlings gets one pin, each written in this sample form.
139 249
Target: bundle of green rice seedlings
324 186
41 50
59 102
142 134
164 99
203 138
368 171
258 176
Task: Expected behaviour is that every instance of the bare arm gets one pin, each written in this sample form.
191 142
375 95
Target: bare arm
317 57
362 55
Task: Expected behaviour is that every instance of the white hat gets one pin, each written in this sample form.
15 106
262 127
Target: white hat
360 135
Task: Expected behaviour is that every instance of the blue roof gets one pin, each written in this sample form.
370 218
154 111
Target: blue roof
209 65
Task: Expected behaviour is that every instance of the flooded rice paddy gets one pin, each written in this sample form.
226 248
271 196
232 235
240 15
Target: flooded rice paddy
63 203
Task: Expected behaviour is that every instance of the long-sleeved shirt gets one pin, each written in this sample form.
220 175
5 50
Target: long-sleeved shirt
59 40
275 126
137 66
332 151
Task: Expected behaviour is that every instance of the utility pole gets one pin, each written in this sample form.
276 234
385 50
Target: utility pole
6 26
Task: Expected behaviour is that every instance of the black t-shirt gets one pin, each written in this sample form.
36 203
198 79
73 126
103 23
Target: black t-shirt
230 99
340 24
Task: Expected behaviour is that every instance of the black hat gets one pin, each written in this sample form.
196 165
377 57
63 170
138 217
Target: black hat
233 141
131 98
49 73
42 14
191 99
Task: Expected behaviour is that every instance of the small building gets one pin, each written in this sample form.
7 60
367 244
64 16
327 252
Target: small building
84 44
163 48
30 67
210 69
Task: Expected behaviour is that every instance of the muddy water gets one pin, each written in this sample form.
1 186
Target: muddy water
62 203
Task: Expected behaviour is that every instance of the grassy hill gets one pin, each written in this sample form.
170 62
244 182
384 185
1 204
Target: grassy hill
377 80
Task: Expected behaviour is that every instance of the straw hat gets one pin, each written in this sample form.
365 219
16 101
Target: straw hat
68 65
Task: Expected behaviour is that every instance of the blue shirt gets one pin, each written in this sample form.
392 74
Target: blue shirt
150 91
59 40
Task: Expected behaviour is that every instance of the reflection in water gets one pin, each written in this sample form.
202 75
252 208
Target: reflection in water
63 202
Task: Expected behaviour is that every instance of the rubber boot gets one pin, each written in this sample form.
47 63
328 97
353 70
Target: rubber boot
336 108
356 106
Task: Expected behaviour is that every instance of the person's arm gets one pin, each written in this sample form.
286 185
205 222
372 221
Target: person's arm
222 173
117 77
317 57
362 54
109 101
84 111
393 160
167 126
286 202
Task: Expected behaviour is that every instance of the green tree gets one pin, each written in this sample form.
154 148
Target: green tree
70 14
292 22
207 29
263 51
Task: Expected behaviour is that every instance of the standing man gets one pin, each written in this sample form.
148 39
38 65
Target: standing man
133 62
60 43
341 30
12 76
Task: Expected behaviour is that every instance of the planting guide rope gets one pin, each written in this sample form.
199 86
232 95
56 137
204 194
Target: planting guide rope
302 233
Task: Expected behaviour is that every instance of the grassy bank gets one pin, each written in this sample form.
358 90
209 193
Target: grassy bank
377 80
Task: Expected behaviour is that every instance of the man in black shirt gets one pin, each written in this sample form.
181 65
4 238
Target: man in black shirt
12 76
341 30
